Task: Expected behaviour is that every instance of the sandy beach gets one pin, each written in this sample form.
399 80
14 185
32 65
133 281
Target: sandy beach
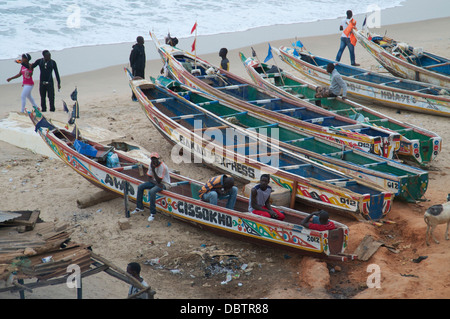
33 181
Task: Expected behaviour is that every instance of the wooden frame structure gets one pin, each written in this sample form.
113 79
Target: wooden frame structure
45 253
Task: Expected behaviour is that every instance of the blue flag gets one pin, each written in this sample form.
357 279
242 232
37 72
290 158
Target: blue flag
298 44
269 54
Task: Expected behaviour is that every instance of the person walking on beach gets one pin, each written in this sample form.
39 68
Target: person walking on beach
137 60
159 179
259 202
219 187
225 63
26 71
46 86
337 85
348 39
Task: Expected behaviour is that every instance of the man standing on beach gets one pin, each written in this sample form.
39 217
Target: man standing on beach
137 60
225 63
347 38
46 86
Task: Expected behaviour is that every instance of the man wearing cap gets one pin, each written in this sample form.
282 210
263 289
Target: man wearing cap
159 179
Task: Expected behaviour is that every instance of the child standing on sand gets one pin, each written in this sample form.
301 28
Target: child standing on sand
26 71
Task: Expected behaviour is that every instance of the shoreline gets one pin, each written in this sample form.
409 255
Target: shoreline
90 58
30 181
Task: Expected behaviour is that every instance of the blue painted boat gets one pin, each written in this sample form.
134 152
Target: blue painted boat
406 182
197 73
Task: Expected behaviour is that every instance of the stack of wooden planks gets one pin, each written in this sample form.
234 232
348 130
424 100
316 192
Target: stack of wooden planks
42 252
33 249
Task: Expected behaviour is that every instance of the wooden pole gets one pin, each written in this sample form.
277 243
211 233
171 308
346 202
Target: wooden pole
293 194
125 193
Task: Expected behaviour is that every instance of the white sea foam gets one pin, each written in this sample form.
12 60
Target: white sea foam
35 25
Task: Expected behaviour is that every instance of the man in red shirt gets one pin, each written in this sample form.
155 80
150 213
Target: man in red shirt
320 222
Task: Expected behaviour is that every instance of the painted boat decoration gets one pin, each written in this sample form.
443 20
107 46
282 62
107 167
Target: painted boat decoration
416 144
216 143
405 61
372 87
199 74
406 182
182 202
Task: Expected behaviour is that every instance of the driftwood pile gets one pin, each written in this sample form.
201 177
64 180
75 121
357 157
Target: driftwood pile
33 249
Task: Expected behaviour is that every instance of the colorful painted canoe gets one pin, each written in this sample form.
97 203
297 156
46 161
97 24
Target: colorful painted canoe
199 74
416 144
406 182
216 143
372 87
405 61
181 200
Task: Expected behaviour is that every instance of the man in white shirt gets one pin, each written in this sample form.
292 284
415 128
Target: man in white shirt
159 179
345 40
134 269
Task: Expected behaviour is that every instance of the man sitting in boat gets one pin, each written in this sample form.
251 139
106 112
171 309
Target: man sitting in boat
319 222
159 179
219 187
337 84
259 202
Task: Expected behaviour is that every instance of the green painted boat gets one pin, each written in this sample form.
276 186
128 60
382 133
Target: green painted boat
417 145
424 145
406 182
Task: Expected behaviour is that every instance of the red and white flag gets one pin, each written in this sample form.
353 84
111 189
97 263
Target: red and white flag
194 27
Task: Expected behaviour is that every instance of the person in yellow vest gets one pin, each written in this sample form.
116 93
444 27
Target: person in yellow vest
348 39
219 187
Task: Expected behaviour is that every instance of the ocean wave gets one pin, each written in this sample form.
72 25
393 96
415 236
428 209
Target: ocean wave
35 25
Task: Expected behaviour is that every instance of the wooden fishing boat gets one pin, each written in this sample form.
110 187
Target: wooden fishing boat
405 61
181 200
216 143
199 74
416 144
406 182
372 87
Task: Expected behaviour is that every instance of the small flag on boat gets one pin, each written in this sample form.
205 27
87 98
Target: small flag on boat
193 45
364 23
74 95
269 54
298 44
76 131
43 123
66 109
253 53
194 27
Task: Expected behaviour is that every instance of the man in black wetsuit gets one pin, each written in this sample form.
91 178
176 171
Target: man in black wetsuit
46 85
137 60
